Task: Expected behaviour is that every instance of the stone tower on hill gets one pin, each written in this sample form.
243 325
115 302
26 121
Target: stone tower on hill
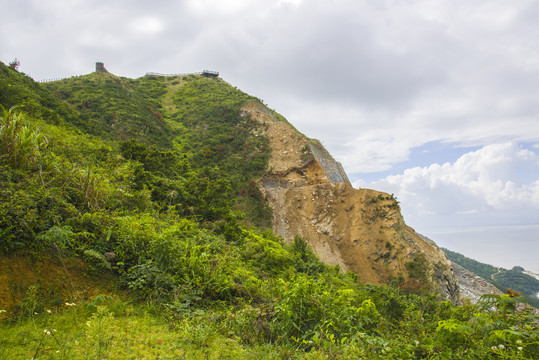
99 66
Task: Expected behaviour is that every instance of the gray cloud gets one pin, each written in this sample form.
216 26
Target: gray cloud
381 73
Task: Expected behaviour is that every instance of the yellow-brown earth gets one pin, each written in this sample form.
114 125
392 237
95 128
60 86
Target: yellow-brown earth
360 230
54 282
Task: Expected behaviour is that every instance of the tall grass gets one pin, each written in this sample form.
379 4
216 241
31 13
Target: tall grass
20 143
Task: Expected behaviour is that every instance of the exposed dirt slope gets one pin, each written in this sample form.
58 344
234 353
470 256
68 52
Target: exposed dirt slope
360 230
54 282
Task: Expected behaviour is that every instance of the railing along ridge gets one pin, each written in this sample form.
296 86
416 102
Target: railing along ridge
54 79
181 74
205 72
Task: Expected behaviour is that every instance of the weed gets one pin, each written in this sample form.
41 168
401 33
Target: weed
30 302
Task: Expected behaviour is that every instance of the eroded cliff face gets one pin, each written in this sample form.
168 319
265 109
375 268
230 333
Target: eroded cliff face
360 230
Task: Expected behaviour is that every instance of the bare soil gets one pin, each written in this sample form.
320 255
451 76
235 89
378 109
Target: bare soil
361 230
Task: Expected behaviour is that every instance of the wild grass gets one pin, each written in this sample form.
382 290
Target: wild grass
118 329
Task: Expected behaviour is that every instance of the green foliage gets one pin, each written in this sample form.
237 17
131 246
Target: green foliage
110 108
304 259
484 270
270 256
20 144
313 313
175 186
58 236
17 89
517 280
98 259
218 134
28 208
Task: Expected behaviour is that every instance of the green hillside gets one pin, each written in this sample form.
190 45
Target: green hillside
109 107
131 227
192 117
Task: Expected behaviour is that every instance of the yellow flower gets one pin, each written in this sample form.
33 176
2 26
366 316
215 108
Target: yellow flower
49 311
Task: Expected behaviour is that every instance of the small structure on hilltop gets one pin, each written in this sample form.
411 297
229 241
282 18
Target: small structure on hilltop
209 73
99 66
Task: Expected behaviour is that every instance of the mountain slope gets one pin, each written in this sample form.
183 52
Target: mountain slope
307 190
227 135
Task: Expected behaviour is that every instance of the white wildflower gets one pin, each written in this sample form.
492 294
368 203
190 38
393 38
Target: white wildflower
47 332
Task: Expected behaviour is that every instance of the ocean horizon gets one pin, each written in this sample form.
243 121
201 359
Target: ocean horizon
502 247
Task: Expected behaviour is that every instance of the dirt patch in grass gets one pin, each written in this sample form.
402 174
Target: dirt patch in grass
30 285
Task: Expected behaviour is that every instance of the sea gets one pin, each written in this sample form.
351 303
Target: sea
504 248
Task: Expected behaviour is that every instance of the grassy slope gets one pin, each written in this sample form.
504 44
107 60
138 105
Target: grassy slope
189 115
110 108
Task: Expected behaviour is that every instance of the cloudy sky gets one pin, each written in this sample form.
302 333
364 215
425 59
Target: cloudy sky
435 101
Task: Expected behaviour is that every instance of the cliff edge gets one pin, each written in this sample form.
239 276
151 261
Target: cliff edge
360 230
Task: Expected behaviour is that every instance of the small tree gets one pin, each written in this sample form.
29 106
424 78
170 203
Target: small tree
14 65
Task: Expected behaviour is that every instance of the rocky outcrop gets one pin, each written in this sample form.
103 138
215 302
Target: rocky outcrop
360 230
473 286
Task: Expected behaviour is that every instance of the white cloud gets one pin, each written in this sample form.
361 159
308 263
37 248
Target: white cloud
493 178
147 25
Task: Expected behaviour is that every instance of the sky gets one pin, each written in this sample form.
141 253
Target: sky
434 101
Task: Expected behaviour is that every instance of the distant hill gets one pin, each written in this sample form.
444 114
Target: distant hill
503 279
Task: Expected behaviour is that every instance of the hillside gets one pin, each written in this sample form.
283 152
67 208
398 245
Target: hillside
220 126
178 216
